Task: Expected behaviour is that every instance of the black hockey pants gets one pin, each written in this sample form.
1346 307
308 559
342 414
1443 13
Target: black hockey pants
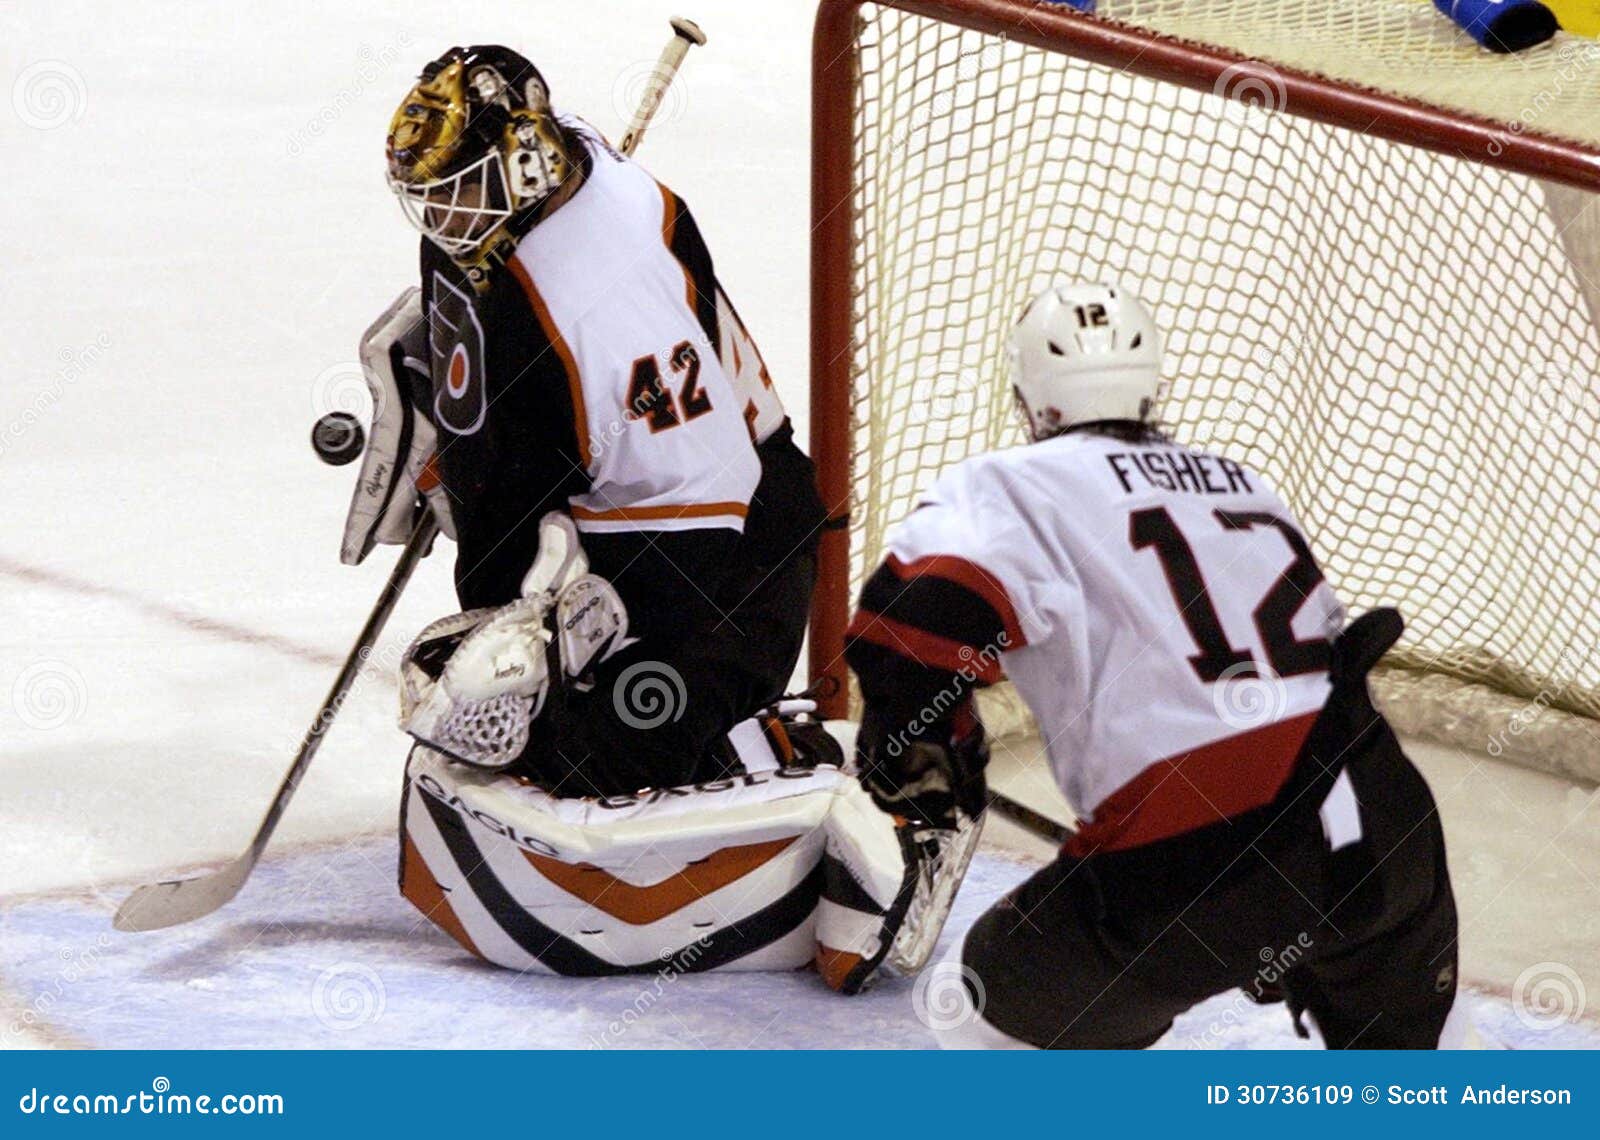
1105 951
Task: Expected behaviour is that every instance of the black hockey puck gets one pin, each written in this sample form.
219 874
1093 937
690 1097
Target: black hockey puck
337 438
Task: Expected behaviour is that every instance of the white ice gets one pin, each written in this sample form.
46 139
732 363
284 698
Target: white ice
196 230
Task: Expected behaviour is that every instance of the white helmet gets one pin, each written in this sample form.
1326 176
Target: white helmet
1082 353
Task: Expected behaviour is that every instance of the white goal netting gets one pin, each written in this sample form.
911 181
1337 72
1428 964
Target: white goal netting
1405 342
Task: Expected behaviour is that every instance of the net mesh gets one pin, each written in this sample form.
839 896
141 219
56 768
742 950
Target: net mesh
1403 47
1405 343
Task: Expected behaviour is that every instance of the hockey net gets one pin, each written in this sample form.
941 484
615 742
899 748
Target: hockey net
1375 250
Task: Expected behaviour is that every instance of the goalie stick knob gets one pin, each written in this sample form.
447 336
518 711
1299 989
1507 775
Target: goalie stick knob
338 438
688 29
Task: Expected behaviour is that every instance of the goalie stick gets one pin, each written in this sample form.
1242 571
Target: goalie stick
175 901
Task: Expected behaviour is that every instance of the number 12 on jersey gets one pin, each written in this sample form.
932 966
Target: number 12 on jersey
1154 529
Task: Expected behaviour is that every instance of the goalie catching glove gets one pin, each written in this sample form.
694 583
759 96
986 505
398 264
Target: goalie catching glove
472 683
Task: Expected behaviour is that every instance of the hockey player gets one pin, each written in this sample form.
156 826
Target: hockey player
1204 708
570 365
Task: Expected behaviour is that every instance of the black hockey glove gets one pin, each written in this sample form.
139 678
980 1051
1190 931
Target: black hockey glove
926 775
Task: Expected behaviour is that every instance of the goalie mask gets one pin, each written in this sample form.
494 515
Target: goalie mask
1081 354
473 145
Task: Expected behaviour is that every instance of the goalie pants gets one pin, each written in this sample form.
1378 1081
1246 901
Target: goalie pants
1105 951
713 650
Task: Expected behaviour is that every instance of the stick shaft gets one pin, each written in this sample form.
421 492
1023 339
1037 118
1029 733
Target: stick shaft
175 901
416 547
661 77
1041 825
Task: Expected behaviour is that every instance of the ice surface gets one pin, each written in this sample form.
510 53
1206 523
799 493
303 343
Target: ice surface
320 951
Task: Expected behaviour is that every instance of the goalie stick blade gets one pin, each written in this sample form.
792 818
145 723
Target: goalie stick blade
176 901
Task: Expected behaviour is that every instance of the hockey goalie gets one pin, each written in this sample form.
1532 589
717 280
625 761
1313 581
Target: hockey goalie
1129 586
605 778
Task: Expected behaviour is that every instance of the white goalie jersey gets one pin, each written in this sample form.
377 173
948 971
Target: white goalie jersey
1157 608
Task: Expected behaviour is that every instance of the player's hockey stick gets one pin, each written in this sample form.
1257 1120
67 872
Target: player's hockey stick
183 900
1026 818
176 901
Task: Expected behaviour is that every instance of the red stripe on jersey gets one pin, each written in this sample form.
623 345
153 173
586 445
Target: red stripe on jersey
1205 785
970 576
923 647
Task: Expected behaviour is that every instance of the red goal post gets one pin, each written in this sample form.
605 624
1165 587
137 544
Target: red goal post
954 146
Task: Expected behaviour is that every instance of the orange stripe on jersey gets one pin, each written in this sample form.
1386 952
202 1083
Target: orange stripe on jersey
1205 785
645 514
541 312
639 906
669 227
923 647
971 576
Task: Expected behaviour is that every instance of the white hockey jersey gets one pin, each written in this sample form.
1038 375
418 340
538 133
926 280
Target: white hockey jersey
602 371
1156 607
664 430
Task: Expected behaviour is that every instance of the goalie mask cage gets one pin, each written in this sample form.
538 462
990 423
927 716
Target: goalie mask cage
1374 249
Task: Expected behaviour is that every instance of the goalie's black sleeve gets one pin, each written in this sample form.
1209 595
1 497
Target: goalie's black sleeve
510 454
